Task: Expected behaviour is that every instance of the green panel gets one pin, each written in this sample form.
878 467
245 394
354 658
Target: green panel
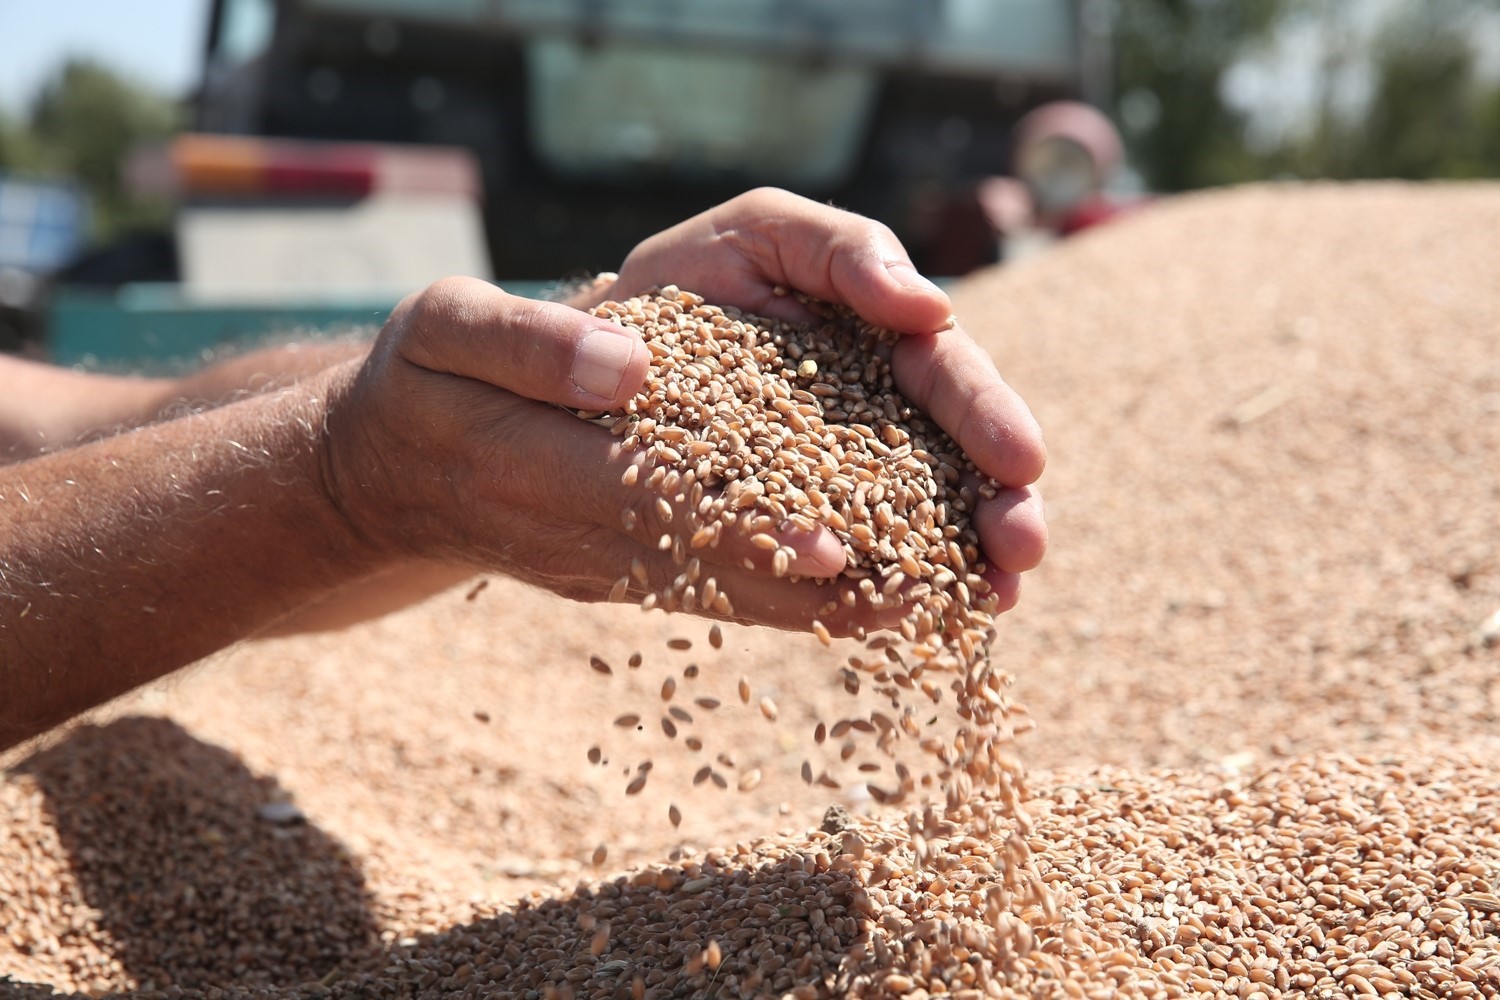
156 327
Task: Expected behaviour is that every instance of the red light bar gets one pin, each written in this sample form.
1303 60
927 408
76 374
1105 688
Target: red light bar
198 164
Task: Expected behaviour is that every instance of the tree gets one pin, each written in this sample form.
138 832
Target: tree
1429 114
1174 53
82 125
1424 115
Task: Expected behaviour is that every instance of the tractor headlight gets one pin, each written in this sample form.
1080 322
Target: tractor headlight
1059 172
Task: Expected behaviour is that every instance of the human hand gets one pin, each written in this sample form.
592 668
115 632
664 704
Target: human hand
443 445
740 252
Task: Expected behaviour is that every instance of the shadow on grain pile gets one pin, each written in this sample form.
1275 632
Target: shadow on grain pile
199 872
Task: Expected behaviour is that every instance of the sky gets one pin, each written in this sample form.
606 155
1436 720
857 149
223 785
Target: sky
155 41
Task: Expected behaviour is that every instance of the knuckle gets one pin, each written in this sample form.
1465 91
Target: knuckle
767 195
444 294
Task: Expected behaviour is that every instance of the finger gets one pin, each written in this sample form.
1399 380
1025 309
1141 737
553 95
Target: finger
1005 586
749 597
774 237
538 457
1012 530
951 378
540 350
839 256
662 506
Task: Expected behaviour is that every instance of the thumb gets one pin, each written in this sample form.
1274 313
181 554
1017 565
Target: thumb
541 350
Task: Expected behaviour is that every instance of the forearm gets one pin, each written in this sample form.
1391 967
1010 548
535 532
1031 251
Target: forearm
44 408
127 558
250 374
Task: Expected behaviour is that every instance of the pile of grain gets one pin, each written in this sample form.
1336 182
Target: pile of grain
1272 415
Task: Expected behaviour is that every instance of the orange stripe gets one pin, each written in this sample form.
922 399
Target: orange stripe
219 164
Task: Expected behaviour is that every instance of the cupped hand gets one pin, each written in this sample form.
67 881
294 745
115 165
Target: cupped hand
742 251
444 445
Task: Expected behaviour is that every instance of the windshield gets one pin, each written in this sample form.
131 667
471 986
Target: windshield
612 109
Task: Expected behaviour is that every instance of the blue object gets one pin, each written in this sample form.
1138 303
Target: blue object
43 223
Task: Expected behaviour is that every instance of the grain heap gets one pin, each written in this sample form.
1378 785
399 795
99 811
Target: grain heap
761 426
1262 653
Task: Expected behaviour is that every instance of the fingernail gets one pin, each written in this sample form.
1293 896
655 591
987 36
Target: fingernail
824 557
599 366
910 277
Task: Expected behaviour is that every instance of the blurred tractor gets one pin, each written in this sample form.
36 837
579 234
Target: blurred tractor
597 122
